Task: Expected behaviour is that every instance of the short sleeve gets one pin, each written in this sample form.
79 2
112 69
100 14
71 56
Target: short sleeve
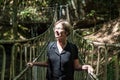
50 44
75 52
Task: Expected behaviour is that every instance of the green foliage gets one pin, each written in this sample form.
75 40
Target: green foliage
8 35
1 1
91 14
111 70
31 14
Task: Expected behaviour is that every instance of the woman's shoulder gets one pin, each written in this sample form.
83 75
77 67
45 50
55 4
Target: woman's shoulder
72 44
50 44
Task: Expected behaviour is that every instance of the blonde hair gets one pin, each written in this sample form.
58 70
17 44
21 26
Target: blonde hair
66 25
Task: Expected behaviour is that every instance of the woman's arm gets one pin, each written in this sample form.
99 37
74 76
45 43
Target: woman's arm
41 64
77 66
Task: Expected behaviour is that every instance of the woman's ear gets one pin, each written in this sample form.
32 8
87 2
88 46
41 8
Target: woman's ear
66 33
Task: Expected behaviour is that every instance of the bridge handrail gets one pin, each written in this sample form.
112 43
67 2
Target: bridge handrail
23 41
106 47
98 43
34 60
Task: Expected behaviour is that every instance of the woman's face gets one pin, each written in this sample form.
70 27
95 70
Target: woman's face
59 32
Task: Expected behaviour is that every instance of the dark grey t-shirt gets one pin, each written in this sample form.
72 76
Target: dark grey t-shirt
61 66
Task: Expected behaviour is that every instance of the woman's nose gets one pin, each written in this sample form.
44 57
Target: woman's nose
57 33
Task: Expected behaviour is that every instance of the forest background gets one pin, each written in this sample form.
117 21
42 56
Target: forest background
88 17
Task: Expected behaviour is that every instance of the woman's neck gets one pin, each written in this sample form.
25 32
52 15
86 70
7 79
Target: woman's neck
62 43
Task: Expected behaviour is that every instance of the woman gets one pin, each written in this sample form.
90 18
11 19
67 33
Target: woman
62 55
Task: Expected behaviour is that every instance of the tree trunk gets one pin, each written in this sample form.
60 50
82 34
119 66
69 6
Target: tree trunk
73 2
14 19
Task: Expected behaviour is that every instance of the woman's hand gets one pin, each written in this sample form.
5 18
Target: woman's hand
30 64
88 68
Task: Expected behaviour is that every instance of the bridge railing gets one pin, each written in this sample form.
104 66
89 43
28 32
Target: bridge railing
14 55
102 56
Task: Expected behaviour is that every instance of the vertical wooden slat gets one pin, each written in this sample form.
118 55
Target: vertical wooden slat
106 63
3 63
98 61
117 66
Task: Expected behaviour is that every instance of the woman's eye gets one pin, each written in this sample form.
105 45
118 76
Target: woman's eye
59 28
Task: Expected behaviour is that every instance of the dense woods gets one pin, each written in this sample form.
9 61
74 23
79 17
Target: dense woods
21 19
